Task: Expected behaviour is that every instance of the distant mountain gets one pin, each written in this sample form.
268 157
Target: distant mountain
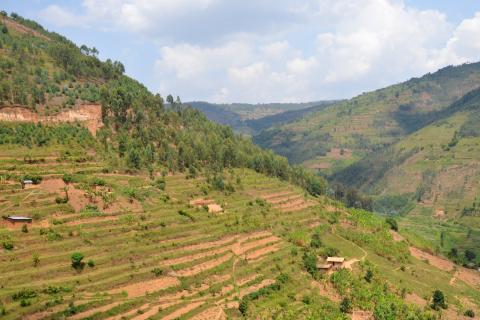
253 118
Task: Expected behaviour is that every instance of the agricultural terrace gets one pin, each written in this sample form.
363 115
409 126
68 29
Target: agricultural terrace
109 245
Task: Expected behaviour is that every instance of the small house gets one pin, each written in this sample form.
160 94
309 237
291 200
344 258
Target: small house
17 220
337 262
27 183
324 266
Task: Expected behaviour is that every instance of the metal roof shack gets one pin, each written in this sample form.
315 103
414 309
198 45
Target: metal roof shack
336 259
324 266
18 219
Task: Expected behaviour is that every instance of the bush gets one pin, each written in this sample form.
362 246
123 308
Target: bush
77 262
24 294
161 184
157 272
346 305
438 300
316 242
91 263
310 263
7 245
61 200
392 223
469 313
369 275
24 228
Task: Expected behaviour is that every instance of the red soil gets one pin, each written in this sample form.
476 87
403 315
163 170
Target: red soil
141 288
435 261
89 114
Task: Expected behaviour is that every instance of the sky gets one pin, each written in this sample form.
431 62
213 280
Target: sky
260 51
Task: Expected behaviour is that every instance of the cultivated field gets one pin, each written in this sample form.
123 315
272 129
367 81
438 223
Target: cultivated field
164 254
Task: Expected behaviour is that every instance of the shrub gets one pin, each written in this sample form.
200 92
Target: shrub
67 178
316 242
24 228
7 245
25 303
346 305
91 263
438 300
157 272
77 262
368 275
469 313
310 262
393 223
161 184
24 294
61 200
35 259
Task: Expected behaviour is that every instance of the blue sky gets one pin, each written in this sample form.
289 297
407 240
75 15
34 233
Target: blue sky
268 50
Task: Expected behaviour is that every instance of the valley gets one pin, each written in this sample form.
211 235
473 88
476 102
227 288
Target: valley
117 203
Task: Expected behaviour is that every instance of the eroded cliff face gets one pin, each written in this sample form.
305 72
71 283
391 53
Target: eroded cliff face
88 114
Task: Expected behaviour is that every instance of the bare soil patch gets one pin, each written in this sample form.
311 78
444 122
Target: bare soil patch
439 214
199 268
362 315
327 290
189 258
262 252
215 313
435 261
52 185
415 299
241 282
89 114
141 288
210 204
470 277
396 236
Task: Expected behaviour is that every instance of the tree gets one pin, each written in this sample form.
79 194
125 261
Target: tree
392 223
438 300
77 262
4 29
369 275
470 255
346 305
36 259
310 262
316 242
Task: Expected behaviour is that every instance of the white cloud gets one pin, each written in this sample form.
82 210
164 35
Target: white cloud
283 50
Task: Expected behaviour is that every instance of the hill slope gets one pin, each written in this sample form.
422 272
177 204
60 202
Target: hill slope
370 121
252 119
165 215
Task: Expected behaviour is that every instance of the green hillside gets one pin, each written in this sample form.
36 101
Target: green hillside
147 210
370 121
416 157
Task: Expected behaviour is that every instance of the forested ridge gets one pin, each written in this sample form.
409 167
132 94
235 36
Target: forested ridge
48 73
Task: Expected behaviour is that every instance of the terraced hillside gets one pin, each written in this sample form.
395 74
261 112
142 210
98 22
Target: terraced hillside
370 121
155 251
